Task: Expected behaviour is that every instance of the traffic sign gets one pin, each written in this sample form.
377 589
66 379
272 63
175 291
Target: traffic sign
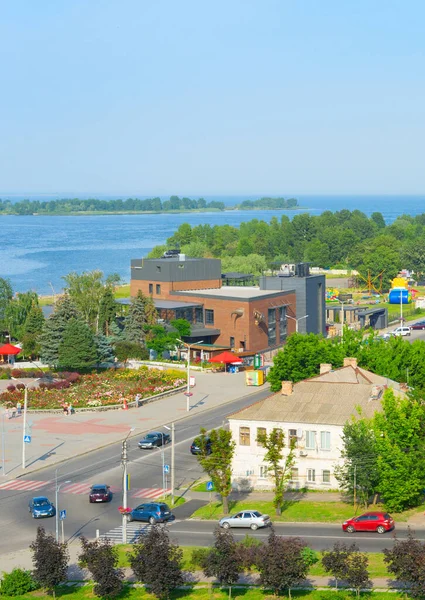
62 515
210 486
166 468
27 439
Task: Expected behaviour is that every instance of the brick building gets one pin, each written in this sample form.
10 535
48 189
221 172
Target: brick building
245 318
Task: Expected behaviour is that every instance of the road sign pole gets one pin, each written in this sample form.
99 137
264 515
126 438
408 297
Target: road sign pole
63 535
172 465
24 425
124 460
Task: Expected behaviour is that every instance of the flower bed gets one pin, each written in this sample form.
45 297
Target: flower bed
97 389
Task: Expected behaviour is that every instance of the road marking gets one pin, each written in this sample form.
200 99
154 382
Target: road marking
134 532
149 493
23 484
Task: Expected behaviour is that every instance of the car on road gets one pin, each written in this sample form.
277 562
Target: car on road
196 449
418 325
151 512
370 521
154 439
40 507
402 331
100 493
246 518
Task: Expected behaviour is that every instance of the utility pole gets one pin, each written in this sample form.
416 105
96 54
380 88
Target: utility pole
355 486
401 306
24 425
172 465
124 461
3 443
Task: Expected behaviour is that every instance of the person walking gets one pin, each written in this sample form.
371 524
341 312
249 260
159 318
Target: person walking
19 408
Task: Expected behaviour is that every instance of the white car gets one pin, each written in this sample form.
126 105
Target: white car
402 331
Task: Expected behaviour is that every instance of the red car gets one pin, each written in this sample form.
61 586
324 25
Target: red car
100 493
371 521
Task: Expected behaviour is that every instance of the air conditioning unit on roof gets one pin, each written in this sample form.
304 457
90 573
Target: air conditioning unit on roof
303 453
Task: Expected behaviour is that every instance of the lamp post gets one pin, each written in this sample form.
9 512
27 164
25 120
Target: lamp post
172 463
124 461
58 487
24 420
343 299
401 307
188 393
3 443
296 320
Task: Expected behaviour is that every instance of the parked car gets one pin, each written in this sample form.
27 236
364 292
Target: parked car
371 521
195 449
100 493
41 507
246 518
154 439
418 325
151 512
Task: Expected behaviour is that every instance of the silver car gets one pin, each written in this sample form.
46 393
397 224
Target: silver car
246 518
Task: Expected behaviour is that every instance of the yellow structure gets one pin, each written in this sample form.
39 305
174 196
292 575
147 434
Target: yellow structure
254 377
399 282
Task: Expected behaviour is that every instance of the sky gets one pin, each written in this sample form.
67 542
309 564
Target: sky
138 97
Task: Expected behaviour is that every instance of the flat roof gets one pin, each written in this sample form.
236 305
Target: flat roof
233 292
164 304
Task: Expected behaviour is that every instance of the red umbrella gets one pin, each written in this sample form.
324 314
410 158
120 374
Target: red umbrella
226 358
9 349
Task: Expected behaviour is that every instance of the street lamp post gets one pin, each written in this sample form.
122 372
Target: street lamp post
172 463
24 421
124 461
188 392
3 443
58 487
296 320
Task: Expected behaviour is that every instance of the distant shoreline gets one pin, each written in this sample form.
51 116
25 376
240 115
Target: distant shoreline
148 212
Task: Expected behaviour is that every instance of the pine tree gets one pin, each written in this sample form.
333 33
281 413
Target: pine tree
32 330
107 310
141 316
77 349
54 327
104 349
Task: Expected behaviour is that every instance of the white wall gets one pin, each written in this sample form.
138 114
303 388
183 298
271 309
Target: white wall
247 462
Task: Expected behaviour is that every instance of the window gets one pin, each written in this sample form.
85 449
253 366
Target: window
199 315
151 288
325 440
158 268
326 476
263 471
244 436
272 326
311 475
209 316
232 342
294 474
282 323
260 431
310 440
292 438
158 288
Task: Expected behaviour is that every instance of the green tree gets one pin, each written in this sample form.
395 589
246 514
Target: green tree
375 256
156 562
413 257
101 559
107 310
53 330
301 358
125 350
400 441
6 295
17 312
86 290
141 315
280 466
218 464
378 219
224 560
358 475
33 328
104 349
77 349
50 560
335 561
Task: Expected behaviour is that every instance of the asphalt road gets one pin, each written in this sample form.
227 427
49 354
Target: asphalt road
103 466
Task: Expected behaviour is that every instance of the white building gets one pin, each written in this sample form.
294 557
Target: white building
312 412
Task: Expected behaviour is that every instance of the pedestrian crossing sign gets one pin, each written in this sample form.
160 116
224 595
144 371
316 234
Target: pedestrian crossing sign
27 439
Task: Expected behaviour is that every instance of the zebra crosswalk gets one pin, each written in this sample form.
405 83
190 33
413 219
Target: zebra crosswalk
83 488
134 532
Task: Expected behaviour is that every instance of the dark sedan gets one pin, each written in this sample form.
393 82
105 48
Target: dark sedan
40 507
100 493
418 325
154 439
196 449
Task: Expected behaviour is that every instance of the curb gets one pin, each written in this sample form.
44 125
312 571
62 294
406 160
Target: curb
177 420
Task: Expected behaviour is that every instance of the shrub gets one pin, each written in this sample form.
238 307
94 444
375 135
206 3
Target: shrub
20 386
4 374
11 388
199 557
17 583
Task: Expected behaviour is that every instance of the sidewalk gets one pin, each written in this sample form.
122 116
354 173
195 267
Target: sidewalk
56 437
23 560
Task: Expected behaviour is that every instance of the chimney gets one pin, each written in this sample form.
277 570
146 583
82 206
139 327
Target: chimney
286 388
325 368
350 362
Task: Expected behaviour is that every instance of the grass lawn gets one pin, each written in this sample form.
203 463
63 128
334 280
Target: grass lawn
122 291
207 593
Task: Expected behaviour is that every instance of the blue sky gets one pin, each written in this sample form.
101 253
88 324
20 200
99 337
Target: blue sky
219 97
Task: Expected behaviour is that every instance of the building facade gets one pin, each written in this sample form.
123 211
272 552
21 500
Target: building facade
312 414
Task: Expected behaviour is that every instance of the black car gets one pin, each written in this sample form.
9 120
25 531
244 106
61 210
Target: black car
100 493
151 512
154 439
195 449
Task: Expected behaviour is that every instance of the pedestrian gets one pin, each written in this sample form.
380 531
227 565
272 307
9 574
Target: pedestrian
137 399
65 409
19 408
71 411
